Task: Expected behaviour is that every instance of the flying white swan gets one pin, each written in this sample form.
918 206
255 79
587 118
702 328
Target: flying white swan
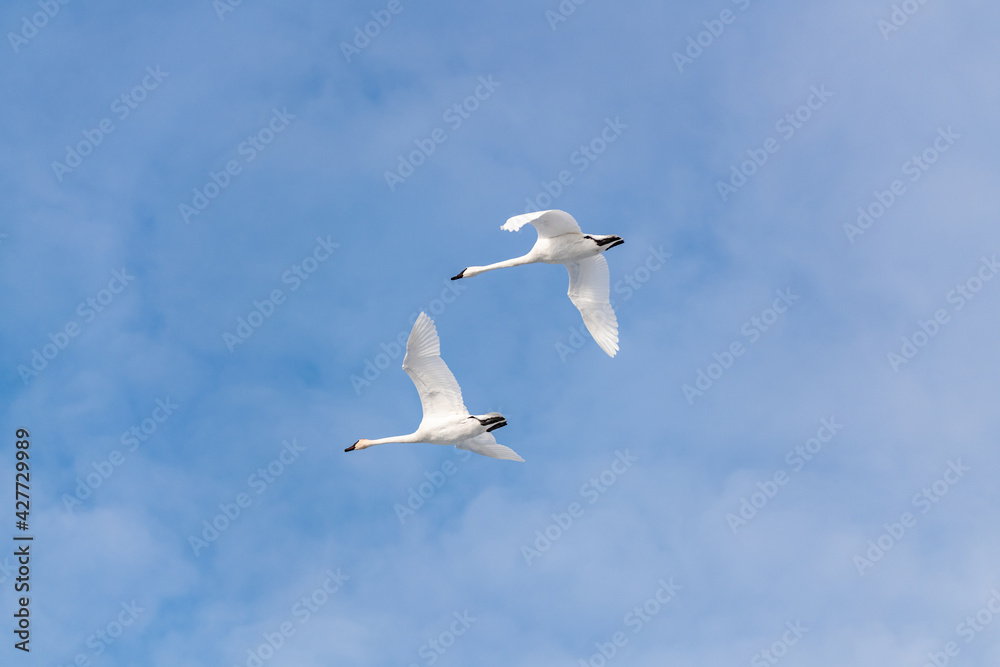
446 420
560 241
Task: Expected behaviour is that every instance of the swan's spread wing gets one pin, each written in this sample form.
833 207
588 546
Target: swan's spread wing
485 444
438 389
548 223
590 290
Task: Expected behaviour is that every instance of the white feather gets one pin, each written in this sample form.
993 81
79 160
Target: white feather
440 395
486 445
590 292
548 223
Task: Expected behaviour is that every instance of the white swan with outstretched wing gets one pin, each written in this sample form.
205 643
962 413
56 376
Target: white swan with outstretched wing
560 241
446 420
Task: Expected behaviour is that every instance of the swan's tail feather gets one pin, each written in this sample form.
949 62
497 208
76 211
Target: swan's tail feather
609 240
496 426
494 420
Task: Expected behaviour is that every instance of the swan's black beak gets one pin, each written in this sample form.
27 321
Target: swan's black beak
351 448
461 275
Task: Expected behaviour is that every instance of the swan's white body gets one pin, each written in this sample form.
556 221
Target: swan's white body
560 241
446 420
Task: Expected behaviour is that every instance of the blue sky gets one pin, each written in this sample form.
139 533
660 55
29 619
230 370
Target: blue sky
169 170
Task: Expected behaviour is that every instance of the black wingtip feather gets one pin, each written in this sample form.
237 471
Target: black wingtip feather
496 426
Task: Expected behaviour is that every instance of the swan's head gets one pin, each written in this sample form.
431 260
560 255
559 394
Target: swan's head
360 444
468 272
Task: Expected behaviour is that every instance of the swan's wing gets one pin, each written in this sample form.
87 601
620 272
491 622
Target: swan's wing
438 388
548 223
485 444
590 290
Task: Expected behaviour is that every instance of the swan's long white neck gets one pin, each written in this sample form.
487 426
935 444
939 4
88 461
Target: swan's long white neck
410 437
517 261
